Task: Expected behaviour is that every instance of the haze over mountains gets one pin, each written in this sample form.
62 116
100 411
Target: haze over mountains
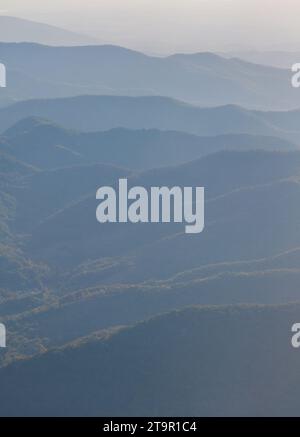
205 79
125 319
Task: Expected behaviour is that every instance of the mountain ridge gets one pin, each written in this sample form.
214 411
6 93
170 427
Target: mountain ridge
46 145
107 112
167 366
202 79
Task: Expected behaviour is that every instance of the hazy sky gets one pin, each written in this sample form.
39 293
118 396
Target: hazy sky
172 25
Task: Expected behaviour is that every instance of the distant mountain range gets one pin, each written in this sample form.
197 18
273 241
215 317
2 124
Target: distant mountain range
97 113
123 319
206 79
14 29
